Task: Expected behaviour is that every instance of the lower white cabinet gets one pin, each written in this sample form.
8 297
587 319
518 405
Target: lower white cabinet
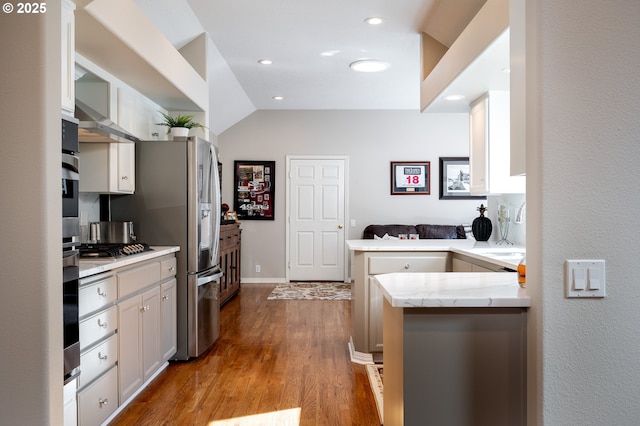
461 263
366 304
70 411
97 401
168 319
139 319
128 330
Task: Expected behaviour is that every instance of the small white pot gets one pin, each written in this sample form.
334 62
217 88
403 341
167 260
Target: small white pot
179 132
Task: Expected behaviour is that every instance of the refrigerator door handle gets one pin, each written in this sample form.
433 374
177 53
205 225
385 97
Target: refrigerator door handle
208 277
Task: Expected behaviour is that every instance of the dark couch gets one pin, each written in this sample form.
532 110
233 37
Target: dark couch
426 232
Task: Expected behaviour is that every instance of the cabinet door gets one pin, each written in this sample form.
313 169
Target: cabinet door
375 316
126 166
168 314
151 331
130 346
478 148
68 100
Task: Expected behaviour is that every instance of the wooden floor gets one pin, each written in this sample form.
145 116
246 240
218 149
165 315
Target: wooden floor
271 355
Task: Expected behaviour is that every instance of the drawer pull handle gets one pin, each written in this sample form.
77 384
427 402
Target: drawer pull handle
172 269
104 401
407 266
102 293
102 324
102 357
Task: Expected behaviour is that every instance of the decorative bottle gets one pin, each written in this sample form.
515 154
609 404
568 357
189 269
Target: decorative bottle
481 226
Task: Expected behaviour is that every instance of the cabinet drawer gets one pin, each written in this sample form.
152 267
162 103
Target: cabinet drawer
168 268
99 400
138 278
96 295
434 262
98 326
98 360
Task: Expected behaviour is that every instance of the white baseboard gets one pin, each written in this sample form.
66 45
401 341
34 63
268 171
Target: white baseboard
262 280
359 357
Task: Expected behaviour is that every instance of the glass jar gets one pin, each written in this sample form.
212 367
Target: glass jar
522 272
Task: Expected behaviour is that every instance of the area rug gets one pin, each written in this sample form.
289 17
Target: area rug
374 371
311 291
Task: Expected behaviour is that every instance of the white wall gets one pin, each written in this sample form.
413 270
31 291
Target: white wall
582 174
31 373
371 139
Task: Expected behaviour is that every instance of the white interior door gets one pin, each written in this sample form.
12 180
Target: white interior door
316 218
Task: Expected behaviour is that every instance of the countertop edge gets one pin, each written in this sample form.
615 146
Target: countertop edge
92 267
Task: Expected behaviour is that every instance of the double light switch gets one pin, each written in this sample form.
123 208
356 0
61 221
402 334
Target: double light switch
585 278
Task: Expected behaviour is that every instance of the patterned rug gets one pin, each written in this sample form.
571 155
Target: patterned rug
374 371
311 291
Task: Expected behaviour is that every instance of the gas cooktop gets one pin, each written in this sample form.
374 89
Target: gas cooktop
111 250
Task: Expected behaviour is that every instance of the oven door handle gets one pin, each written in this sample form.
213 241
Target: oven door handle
70 167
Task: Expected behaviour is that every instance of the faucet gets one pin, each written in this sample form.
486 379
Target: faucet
522 213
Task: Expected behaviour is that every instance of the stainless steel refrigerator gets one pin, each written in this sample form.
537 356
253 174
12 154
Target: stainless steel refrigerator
177 202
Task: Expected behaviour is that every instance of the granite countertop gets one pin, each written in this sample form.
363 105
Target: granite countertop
453 289
94 266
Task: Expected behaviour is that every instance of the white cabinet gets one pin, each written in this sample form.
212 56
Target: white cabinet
70 410
68 100
489 147
139 318
139 115
97 392
107 168
168 319
367 298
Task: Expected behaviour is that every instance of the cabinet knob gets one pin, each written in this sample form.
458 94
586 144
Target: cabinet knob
165 297
125 178
172 269
102 293
103 401
102 357
407 266
102 324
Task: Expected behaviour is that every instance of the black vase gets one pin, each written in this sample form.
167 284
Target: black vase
481 226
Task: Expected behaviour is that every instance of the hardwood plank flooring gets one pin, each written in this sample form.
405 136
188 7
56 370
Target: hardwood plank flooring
272 355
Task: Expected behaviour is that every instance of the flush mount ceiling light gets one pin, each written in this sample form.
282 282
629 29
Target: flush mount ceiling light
278 98
265 61
373 21
369 65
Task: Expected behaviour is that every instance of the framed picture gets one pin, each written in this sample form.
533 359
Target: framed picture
454 179
254 190
410 178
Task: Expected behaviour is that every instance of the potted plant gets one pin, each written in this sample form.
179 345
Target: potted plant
179 125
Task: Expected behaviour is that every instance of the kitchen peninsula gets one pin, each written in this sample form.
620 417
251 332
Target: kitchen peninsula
455 348
374 257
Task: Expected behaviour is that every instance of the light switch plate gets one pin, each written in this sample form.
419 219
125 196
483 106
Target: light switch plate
584 278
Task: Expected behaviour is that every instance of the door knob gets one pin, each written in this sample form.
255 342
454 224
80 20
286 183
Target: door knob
340 226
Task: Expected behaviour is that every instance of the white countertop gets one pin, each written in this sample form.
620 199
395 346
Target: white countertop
96 266
507 256
453 289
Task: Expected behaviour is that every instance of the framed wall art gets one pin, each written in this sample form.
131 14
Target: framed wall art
410 178
254 189
454 179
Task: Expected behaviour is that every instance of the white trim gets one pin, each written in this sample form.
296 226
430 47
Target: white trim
289 158
262 280
359 357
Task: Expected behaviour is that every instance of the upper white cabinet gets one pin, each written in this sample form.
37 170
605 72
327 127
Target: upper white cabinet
107 168
68 56
489 147
139 116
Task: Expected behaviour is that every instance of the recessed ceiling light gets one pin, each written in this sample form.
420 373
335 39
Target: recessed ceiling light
454 98
369 65
330 53
278 98
373 21
265 61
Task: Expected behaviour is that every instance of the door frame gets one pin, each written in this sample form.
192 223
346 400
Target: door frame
287 207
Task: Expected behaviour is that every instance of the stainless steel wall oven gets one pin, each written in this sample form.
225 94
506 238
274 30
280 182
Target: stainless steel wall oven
70 244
